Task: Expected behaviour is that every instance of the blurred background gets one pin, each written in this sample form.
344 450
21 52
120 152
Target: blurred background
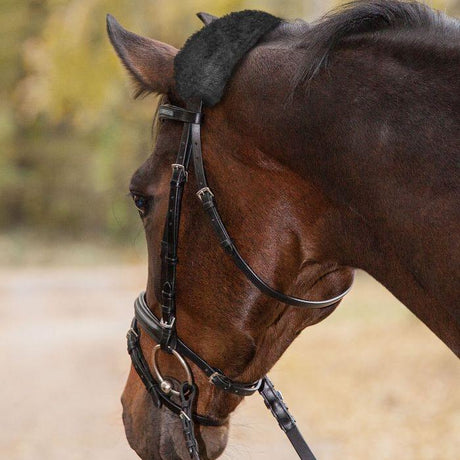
375 382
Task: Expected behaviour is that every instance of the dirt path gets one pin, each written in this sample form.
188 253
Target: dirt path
370 382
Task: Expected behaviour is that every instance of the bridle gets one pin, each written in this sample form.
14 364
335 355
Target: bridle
163 330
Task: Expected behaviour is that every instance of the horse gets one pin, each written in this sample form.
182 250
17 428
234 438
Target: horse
329 147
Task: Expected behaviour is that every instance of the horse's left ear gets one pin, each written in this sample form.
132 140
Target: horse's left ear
150 62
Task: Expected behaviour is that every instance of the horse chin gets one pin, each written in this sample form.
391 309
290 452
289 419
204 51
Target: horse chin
156 434
211 440
214 440
138 414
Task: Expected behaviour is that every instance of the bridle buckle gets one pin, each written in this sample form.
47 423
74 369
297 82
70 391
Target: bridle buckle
167 324
211 377
183 416
202 191
178 166
133 332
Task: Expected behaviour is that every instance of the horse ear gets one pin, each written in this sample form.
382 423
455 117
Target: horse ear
150 62
206 18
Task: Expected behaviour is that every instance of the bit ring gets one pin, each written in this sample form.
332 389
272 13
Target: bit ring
166 385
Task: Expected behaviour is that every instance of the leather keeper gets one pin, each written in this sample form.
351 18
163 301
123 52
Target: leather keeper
171 260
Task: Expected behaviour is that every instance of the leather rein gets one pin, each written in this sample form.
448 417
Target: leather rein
163 330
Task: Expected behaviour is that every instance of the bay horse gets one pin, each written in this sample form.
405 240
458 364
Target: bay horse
328 146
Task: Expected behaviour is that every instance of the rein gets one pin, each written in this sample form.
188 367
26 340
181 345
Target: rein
163 330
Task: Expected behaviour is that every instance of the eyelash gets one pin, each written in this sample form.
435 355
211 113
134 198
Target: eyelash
141 202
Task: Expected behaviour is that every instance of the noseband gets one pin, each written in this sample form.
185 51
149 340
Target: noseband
163 330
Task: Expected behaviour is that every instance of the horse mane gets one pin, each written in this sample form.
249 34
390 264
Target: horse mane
358 17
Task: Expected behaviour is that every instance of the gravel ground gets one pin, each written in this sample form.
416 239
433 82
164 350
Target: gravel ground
371 382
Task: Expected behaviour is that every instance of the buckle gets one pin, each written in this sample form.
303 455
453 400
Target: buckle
202 191
179 167
183 416
167 325
133 332
220 380
211 377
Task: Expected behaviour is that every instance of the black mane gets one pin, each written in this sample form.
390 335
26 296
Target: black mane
363 16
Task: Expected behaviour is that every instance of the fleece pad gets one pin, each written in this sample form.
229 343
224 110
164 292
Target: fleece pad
206 62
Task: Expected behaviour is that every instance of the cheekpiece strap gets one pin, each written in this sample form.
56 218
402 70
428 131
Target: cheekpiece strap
207 199
187 397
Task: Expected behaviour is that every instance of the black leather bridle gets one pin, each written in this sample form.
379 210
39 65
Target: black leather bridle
163 330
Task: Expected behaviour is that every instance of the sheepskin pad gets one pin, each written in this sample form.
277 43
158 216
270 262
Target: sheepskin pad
206 62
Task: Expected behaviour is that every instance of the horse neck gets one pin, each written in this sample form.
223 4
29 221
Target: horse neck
381 144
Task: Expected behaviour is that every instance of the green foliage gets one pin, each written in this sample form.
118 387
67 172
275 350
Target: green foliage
70 136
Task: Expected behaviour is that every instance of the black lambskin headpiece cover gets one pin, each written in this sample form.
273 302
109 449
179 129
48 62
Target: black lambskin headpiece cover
206 62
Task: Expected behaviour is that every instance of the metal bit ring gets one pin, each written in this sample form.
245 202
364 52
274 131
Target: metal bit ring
165 385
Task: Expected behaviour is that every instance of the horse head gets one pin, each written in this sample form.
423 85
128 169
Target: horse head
282 223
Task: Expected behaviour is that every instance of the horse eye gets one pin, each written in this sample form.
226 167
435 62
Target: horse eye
141 203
